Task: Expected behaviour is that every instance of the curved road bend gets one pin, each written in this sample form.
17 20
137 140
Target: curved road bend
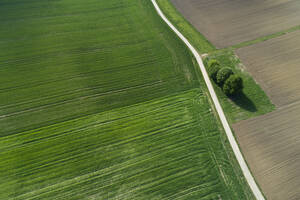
255 189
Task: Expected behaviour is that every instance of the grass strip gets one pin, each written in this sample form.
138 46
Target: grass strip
196 38
265 38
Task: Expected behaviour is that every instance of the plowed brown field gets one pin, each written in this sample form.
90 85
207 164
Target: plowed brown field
229 22
271 143
275 65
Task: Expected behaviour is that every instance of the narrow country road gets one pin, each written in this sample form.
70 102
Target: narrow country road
255 189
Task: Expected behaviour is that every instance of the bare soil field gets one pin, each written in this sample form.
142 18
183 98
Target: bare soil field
271 143
274 64
229 22
271 146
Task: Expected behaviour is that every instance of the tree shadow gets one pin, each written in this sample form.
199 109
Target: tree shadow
244 102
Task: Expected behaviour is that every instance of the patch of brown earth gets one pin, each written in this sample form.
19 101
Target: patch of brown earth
229 22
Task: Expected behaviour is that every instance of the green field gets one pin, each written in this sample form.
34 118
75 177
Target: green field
168 148
94 56
100 100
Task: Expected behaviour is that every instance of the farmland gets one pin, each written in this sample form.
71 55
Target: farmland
265 37
100 100
271 142
253 101
271 146
275 66
226 23
50 65
158 149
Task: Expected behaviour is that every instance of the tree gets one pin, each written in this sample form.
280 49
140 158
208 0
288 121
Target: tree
233 85
212 63
213 69
223 74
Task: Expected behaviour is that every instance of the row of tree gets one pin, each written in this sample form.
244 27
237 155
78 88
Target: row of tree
224 77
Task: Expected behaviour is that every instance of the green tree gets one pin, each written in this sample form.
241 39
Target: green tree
233 85
223 74
213 69
212 63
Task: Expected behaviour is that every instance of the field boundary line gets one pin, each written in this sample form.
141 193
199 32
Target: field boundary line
239 156
264 38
